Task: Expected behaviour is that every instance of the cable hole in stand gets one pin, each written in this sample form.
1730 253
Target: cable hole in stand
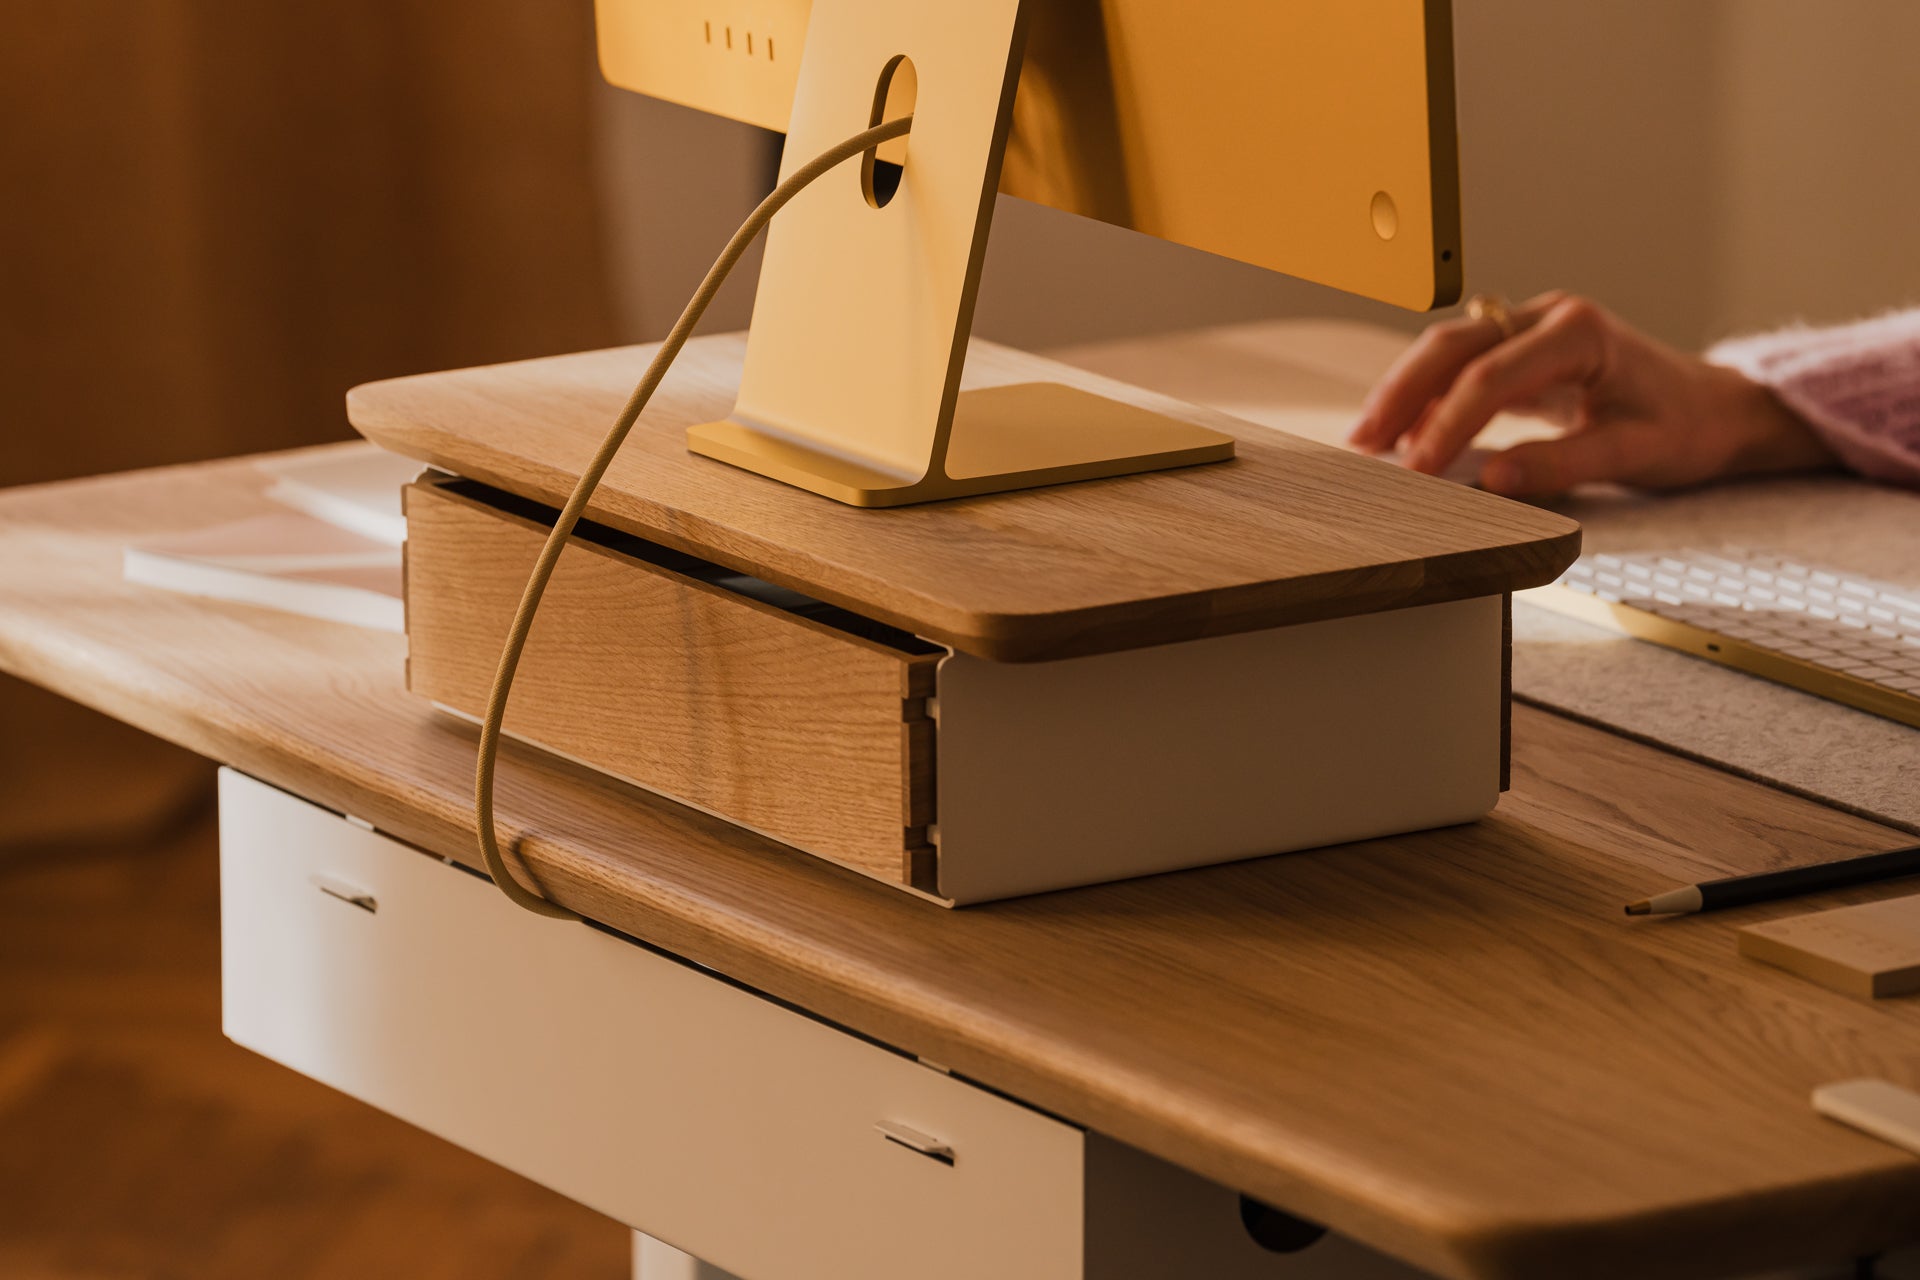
882 168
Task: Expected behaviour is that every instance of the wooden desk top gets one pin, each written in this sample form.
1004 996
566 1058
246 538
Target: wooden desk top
1452 1045
1288 531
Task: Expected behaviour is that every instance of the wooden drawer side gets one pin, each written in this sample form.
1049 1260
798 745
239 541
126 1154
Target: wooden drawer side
768 718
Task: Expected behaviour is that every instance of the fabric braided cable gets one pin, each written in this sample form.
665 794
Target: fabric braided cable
490 728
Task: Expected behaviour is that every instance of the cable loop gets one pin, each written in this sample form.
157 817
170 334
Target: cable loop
490 725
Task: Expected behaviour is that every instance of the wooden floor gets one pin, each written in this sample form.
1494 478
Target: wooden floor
136 1142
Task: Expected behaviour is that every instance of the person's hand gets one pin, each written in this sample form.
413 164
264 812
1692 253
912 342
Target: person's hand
1634 410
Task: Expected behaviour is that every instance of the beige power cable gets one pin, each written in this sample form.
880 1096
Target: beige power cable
590 480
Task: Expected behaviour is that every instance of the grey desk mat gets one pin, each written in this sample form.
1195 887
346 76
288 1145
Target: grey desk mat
1308 378
1794 740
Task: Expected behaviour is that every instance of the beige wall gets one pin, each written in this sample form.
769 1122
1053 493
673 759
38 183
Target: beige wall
1702 166
1818 186
1587 144
675 183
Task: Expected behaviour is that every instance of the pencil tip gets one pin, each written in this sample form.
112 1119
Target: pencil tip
1639 908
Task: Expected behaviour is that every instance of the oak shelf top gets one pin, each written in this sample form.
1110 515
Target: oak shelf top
1288 531
1451 1046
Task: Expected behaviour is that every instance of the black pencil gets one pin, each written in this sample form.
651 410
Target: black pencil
1738 891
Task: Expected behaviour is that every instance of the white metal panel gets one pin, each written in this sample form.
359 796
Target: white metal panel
652 1091
1063 773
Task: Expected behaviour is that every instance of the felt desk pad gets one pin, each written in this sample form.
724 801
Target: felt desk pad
1795 740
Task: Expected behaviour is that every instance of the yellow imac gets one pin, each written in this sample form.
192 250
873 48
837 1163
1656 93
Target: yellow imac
1312 137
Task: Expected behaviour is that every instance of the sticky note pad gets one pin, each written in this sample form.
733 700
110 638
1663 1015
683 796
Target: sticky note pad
1868 951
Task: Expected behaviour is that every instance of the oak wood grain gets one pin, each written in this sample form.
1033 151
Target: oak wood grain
1451 1045
776 721
1288 531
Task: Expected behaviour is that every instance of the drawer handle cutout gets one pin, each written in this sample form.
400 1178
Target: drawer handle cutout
346 893
916 1142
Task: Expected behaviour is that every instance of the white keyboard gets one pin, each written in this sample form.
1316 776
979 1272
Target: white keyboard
1830 633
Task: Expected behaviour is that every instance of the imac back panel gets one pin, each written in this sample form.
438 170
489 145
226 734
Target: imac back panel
1311 137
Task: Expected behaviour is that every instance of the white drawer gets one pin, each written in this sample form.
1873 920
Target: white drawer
652 1091
666 1097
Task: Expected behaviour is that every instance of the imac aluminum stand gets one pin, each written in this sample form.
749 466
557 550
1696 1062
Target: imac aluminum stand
852 381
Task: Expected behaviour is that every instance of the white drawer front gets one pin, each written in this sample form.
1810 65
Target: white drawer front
702 1114
1124 764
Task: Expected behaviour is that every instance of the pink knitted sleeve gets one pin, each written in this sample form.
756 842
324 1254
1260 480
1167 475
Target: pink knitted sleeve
1858 385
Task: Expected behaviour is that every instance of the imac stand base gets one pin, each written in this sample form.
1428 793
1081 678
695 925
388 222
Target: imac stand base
1019 436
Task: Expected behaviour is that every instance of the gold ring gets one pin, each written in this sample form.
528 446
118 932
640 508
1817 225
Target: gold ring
1491 306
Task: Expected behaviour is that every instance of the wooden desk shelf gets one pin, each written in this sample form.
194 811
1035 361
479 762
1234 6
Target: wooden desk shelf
1288 531
985 697
959 778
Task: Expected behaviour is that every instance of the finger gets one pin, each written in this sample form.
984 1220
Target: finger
1616 451
1567 347
1426 369
1530 311
1420 423
1422 373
